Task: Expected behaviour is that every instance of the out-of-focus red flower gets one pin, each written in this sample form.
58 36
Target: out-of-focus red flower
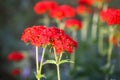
68 11
40 35
40 8
73 24
81 9
111 16
57 13
51 5
99 1
44 6
114 40
15 56
86 2
15 72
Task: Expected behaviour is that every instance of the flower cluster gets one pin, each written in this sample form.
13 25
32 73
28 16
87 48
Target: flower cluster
86 2
44 6
73 24
63 11
40 35
15 56
81 9
111 16
15 72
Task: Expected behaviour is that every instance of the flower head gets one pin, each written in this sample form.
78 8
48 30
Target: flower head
86 2
15 72
111 16
44 6
68 11
35 35
62 42
40 35
15 56
73 24
81 9
57 13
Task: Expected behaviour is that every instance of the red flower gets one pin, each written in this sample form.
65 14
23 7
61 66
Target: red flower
35 35
111 16
73 24
86 2
62 42
15 56
40 8
40 35
57 13
81 9
68 11
44 6
15 72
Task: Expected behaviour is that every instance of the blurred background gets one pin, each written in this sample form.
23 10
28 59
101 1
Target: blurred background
16 15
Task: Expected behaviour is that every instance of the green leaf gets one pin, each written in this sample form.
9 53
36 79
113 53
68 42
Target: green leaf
43 76
65 61
49 62
38 76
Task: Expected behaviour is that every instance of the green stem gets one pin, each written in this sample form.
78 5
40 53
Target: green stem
84 30
106 77
94 26
72 56
110 47
110 50
58 58
55 54
37 63
41 62
46 20
60 24
58 71
100 41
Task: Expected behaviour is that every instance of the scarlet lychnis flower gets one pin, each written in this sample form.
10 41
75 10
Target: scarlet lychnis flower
41 35
15 56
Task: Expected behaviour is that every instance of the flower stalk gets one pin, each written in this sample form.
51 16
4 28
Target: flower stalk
58 71
94 26
58 59
43 53
37 66
39 69
110 46
84 30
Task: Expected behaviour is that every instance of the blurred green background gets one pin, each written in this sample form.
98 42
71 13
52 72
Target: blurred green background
16 15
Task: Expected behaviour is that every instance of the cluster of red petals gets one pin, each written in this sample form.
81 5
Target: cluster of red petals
62 42
15 72
35 35
86 2
73 24
81 9
57 13
15 56
63 11
68 11
111 16
44 6
40 35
